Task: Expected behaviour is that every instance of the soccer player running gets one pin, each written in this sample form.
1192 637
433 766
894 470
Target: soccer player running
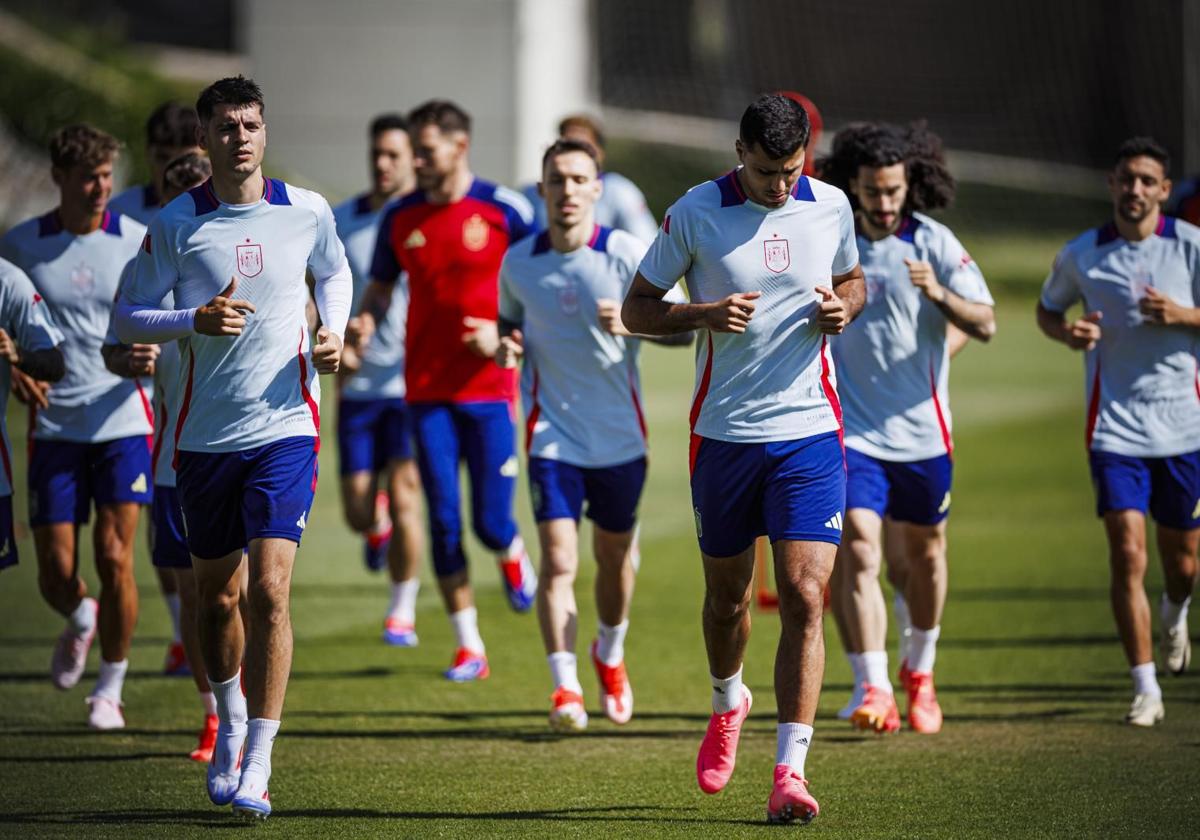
585 433
771 266
1139 282
172 131
374 423
450 236
90 434
893 367
233 252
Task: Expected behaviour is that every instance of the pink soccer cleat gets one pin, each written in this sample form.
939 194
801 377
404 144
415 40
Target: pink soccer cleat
615 694
467 666
70 652
877 711
175 663
718 750
790 799
208 741
924 713
105 714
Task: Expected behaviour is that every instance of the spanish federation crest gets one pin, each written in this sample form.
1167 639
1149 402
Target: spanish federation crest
475 233
249 260
776 255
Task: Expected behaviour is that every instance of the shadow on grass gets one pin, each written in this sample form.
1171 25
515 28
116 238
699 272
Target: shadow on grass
1028 594
88 759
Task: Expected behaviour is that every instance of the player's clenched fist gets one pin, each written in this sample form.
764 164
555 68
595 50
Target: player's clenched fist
8 348
731 314
327 352
1084 333
832 314
482 336
223 315
608 312
512 347
921 274
142 358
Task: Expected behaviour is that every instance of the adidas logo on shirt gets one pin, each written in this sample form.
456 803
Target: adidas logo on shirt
835 521
416 239
301 522
139 484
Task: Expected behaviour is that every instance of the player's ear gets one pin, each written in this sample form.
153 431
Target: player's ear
542 188
1166 188
740 150
57 175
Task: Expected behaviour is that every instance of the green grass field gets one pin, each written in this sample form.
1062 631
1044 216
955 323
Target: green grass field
376 743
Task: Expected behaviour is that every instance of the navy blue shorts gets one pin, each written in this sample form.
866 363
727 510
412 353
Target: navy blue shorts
558 491
917 492
1167 488
372 433
168 539
8 539
482 434
787 490
231 498
66 477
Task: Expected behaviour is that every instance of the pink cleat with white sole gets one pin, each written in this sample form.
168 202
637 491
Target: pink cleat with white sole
790 800
718 750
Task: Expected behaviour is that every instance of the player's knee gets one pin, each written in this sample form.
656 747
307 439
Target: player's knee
558 563
801 598
55 588
114 568
726 608
269 604
448 561
864 557
1128 557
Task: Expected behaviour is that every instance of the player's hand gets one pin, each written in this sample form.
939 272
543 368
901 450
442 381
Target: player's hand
29 390
1157 308
921 274
223 315
608 311
327 352
1084 333
511 349
359 330
350 362
733 313
8 348
832 314
142 358
482 336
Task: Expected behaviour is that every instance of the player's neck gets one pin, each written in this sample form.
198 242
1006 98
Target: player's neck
454 187
378 198
79 222
232 188
568 239
873 232
1137 231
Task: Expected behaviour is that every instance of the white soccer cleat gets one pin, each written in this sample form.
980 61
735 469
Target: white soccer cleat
856 699
252 800
70 652
225 768
105 714
1176 648
1146 710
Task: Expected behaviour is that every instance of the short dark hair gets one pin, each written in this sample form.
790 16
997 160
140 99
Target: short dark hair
563 145
388 122
187 171
81 144
440 112
778 125
172 124
1143 147
587 123
876 145
232 90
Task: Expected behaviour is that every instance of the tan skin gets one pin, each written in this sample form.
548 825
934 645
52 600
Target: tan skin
392 175
1138 187
235 138
802 568
881 193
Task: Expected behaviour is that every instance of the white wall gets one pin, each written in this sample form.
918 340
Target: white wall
515 65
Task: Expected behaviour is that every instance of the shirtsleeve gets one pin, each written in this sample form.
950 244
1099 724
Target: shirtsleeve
1061 289
328 256
961 274
26 316
847 252
155 271
510 309
385 267
670 255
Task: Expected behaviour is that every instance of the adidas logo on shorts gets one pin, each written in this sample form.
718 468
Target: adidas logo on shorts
301 522
139 484
835 521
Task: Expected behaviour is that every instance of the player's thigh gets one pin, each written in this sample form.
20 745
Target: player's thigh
121 471
867 486
861 548
115 530
920 490
805 489
281 481
803 568
168 538
727 581
394 433
1126 533
925 544
59 484
556 490
270 564
488 436
727 482
438 453
613 494
1122 483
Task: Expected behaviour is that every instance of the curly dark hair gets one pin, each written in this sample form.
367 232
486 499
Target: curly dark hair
82 144
930 184
187 171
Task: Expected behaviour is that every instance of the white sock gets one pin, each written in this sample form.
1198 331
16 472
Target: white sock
404 601
514 551
111 680
1144 680
610 642
792 741
564 672
231 716
922 649
857 667
209 701
1173 615
876 666
260 737
172 600
83 617
466 629
903 624
727 693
